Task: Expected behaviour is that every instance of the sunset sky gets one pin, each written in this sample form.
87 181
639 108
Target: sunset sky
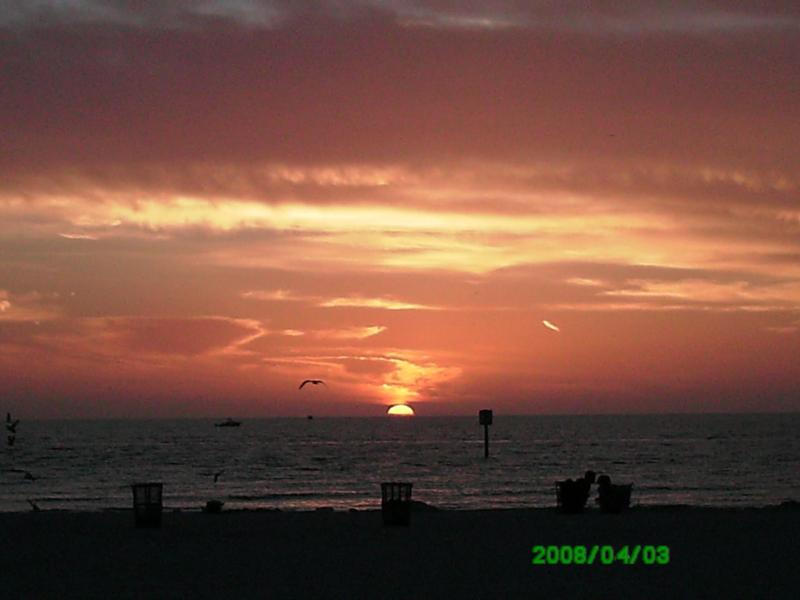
203 204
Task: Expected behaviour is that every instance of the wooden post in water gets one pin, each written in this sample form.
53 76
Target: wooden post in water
485 419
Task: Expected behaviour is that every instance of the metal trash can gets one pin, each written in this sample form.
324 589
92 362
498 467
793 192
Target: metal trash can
396 503
147 504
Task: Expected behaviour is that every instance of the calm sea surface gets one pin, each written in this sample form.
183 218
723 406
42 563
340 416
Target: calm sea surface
710 460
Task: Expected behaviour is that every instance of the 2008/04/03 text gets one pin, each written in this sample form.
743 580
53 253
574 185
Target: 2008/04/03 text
603 555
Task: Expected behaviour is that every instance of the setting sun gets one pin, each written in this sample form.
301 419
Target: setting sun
400 410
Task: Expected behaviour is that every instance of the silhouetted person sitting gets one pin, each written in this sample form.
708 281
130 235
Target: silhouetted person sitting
612 498
586 482
571 495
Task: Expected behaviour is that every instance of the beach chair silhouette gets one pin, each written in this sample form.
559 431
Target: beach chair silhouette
614 498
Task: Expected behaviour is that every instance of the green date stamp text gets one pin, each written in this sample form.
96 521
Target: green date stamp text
602 555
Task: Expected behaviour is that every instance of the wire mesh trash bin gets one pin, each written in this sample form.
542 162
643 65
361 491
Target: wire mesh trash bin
396 503
147 504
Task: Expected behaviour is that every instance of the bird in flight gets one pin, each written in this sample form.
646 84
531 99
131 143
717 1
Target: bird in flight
217 474
314 381
11 425
550 325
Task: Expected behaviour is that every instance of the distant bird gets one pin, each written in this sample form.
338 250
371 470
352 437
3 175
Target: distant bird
217 474
11 425
11 440
314 381
34 506
550 325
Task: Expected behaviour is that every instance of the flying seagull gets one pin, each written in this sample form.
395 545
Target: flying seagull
11 425
217 474
314 381
550 325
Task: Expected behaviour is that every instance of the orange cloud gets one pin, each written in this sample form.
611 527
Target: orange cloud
257 195
29 306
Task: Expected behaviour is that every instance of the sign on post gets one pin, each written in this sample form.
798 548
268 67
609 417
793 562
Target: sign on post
485 419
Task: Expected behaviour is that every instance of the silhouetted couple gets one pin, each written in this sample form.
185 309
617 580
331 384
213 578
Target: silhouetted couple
572 495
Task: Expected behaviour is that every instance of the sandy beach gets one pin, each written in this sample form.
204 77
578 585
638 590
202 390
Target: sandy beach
714 553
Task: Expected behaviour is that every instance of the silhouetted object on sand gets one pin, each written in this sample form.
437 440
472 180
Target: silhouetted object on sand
214 506
312 381
613 498
217 474
228 423
11 440
34 506
396 503
310 417
571 496
11 425
147 504
30 476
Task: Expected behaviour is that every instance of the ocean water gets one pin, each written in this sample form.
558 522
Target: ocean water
705 460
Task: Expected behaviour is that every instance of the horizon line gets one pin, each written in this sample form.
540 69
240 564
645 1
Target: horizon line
451 416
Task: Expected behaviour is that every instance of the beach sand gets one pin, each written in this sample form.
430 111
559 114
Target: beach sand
715 553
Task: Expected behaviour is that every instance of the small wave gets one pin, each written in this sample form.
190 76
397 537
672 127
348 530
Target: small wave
292 495
71 498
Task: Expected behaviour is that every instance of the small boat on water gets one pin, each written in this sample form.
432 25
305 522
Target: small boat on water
228 423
